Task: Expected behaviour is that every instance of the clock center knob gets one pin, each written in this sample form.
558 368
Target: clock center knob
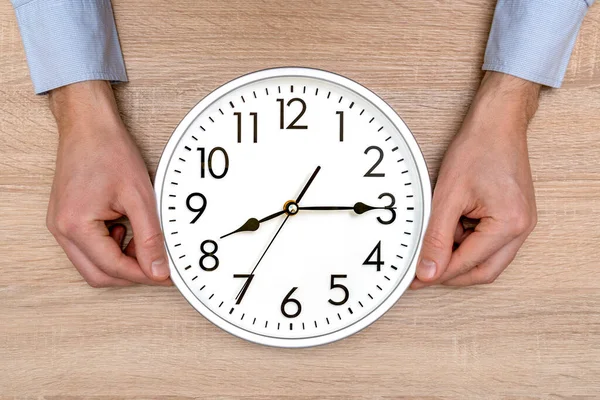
290 207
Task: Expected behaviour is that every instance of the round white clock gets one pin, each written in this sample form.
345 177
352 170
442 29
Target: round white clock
293 203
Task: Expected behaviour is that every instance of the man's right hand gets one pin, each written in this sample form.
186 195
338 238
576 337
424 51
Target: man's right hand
100 176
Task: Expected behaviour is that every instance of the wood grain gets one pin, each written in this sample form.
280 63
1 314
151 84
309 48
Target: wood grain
535 333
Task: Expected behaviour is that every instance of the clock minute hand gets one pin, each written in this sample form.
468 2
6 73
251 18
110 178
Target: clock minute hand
358 208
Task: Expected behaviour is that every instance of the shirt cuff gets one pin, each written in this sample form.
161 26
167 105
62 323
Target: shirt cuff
68 41
533 39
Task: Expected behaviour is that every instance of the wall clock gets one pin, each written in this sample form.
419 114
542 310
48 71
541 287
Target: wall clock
293 203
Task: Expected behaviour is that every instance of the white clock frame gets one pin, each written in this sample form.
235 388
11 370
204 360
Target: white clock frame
393 118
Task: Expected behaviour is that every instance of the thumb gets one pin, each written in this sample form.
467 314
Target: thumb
439 238
149 241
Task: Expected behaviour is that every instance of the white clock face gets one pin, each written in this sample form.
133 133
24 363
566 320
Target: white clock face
293 203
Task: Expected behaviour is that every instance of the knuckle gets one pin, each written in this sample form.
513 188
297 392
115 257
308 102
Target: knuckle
534 220
519 222
64 224
153 240
50 225
434 240
488 278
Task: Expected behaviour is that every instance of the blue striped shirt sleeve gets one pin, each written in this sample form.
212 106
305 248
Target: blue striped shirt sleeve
533 39
68 41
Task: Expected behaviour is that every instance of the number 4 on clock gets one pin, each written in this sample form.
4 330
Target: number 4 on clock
376 252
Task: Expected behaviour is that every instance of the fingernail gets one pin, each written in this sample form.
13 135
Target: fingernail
426 270
160 268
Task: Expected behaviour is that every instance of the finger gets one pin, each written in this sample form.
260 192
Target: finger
439 238
149 240
102 250
459 232
117 232
417 284
488 271
487 239
130 251
92 274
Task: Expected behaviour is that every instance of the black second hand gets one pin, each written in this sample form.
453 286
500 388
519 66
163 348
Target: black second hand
304 189
265 252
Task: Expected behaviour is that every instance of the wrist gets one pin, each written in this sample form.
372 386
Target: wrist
83 103
507 94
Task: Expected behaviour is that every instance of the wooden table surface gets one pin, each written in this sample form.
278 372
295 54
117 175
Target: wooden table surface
534 333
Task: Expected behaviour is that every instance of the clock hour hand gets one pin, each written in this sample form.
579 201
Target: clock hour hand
358 208
253 224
